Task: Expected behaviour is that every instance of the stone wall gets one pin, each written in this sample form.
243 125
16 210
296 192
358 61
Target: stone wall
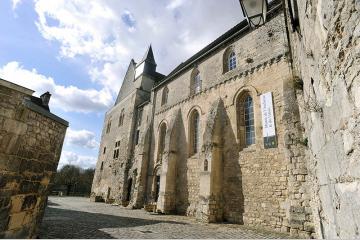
30 147
115 173
256 181
111 173
326 50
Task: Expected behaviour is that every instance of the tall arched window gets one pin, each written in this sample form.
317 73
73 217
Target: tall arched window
162 135
246 122
195 82
249 121
232 61
165 94
194 132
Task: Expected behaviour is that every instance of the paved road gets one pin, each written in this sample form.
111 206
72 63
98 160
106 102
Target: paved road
72 217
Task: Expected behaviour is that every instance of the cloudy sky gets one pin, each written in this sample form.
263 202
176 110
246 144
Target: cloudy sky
79 51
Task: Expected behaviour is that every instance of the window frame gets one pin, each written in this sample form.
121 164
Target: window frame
246 120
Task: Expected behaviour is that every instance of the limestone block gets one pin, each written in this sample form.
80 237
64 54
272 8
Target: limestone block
16 203
16 127
16 220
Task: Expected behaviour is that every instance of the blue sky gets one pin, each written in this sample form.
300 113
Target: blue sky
79 51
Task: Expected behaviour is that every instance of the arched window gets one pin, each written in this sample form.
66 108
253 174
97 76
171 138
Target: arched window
246 122
195 82
194 132
162 141
232 61
165 94
229 59
249 121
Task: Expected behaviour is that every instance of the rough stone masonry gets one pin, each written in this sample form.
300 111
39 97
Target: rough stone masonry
31 139
326 61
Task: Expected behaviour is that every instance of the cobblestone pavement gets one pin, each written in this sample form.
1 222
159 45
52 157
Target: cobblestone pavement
73 217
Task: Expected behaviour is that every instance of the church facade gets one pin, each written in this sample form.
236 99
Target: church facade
219 138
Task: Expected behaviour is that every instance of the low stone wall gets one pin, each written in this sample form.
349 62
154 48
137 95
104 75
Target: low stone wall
30 148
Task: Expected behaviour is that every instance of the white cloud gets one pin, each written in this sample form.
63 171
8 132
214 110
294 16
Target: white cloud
110 33
67 98
81 138
16 3
68 157
108 75
175 4
82 27
129 20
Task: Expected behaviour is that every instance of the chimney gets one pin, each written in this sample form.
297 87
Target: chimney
45 98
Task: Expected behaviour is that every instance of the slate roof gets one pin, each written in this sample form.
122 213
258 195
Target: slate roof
128 82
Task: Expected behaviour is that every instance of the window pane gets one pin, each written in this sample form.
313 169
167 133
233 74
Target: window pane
232 61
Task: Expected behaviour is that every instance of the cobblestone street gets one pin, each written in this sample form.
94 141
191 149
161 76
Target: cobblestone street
73 217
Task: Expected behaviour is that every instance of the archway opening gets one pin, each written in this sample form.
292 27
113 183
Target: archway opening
129 189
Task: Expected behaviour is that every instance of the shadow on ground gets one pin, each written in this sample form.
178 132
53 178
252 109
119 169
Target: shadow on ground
64 223
50 203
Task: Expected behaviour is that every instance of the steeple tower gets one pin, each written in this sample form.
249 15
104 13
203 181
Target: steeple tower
147 65
149 56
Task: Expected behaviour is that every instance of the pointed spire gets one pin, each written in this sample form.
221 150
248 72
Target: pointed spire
149 56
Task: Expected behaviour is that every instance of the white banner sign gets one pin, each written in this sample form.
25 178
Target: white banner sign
267 115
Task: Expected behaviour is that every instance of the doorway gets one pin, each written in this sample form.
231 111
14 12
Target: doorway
157 187
129 189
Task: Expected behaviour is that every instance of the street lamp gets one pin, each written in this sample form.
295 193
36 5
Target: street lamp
254 11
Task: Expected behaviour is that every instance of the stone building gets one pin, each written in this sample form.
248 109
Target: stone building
31 139
261 127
